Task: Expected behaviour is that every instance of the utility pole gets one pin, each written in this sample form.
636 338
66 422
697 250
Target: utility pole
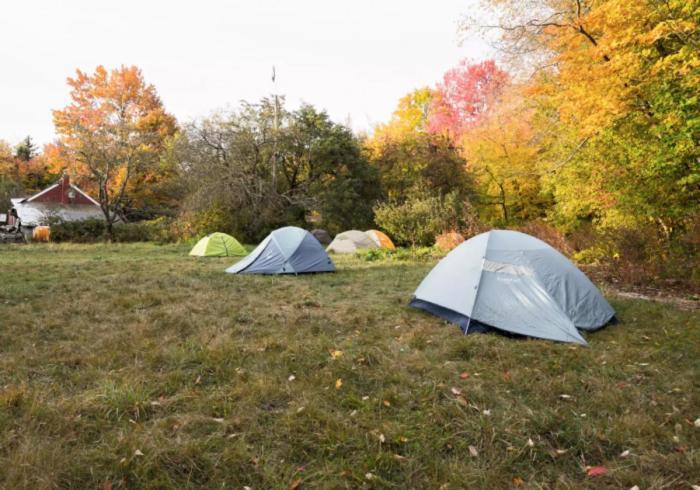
276 124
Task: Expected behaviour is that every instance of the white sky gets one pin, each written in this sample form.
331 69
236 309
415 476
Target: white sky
353 58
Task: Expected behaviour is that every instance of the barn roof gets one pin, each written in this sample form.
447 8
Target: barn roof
57 184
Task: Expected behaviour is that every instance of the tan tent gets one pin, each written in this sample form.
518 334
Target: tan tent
350 241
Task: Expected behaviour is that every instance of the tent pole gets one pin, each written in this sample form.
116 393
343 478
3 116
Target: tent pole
224 244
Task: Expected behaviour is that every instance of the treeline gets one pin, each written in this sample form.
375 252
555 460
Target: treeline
586 132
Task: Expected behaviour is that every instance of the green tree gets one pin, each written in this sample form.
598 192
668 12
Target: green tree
227 161
26 150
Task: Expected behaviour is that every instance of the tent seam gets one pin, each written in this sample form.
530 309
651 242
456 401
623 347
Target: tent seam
478 283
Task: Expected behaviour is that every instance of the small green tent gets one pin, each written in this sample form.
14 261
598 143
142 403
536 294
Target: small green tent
218 245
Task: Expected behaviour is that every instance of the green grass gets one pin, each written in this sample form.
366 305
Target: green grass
142 367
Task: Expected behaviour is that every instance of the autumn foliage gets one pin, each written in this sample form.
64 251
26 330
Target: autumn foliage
113 133
464 97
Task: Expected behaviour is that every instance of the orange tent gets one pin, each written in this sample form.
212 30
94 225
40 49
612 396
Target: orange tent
381 239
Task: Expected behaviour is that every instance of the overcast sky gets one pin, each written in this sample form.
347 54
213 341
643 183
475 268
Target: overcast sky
353 58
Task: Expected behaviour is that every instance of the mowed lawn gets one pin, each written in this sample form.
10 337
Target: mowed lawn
136 366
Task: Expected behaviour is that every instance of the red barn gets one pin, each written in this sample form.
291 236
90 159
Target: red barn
62 200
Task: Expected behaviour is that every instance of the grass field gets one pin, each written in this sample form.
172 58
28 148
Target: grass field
136 366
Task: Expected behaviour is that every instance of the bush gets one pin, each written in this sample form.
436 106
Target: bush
418 220
448 241
160 230
85 231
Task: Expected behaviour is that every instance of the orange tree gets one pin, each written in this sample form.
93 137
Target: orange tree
113 132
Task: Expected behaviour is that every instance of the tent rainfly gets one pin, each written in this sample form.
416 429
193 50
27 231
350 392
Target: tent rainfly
288 250
218 245
351 241
512 282
381 239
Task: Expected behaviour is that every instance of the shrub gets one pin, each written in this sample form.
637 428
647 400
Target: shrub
448 241
418 220
94 230
84 231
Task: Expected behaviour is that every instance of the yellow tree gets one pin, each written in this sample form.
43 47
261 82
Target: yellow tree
410 159
502 152
621 81
113 131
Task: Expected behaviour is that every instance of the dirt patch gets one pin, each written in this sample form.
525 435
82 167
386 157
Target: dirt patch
683 303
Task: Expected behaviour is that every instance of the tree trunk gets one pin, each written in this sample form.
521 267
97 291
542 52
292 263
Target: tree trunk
504 208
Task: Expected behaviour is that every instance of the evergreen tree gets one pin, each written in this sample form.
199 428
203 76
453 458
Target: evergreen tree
26 150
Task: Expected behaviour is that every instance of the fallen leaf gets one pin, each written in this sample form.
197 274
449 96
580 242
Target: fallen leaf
473 452
518 482
198 380
336 354
107 485
353 413
386 403
300 409
506 376
462 401
403 439
338 383
295 484
596 471
138 453
399 457
464 375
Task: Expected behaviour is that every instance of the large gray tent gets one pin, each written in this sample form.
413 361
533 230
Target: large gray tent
288 250
513 282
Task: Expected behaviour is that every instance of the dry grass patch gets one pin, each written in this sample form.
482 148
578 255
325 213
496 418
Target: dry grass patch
140 366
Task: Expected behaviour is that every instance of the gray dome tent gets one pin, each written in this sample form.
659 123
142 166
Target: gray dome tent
351 241
513 282
288 250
